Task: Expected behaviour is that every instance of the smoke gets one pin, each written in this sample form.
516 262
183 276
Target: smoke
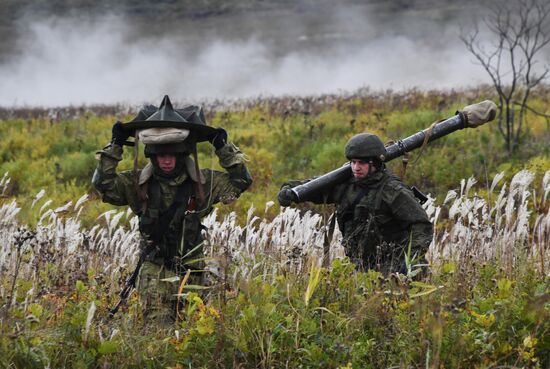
68 61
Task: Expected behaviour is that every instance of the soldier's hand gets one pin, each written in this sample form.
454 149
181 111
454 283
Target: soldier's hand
120 135
219 138
286 196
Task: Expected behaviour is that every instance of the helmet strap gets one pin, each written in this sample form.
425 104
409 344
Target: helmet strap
374 163
141 192
371 165
200 189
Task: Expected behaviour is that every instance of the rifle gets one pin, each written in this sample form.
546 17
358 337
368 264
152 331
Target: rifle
131 281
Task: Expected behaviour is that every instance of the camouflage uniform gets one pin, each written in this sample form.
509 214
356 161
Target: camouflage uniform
379 217
164 218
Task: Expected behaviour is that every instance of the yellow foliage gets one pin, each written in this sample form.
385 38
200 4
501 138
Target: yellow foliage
483 320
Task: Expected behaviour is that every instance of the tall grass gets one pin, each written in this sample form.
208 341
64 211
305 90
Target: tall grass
496 226
503 225
272 304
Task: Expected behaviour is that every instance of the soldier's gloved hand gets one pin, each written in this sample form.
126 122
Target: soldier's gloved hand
120 135
286 196
219 138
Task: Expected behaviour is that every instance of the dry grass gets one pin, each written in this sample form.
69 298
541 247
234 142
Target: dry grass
58 279
508 225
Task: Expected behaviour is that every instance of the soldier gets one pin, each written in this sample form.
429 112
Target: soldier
170 195
379 217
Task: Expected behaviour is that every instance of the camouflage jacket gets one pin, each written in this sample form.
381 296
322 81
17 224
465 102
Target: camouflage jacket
164 216
379 218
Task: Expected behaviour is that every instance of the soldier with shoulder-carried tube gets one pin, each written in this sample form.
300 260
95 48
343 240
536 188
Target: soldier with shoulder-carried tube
377 214
383 224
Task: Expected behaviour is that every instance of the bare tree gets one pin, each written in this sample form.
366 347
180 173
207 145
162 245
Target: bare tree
512 59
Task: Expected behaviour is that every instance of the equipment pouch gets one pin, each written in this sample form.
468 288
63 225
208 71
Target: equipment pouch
361 212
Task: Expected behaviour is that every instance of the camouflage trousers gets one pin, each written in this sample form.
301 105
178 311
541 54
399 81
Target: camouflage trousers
157 286
385 257
366 248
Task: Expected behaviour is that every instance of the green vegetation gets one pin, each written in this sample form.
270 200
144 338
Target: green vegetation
287 138
348 320
485 304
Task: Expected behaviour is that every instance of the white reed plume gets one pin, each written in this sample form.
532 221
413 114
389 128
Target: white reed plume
38 196
496 180
546 185
81 201
4 182
450 196
8 213
504 230
287 240
471 181
64 208
8 227
45 206
89 318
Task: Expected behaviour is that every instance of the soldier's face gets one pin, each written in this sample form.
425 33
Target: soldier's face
167 162
359 168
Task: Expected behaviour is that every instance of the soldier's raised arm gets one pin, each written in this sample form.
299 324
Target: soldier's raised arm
110 184
227 186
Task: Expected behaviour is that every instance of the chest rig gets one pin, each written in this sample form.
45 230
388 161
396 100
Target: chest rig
349 210
175 229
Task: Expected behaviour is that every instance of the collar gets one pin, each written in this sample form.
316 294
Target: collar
371 179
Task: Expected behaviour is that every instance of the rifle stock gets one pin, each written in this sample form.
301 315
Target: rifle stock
131 281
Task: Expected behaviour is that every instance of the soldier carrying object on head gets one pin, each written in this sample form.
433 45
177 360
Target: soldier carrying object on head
379 217
170 195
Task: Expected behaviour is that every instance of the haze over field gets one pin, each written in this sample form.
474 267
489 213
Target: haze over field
104 59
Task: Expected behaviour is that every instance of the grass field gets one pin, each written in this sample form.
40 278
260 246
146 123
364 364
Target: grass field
271 302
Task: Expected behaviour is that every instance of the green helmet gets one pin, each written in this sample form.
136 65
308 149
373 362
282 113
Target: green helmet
365 145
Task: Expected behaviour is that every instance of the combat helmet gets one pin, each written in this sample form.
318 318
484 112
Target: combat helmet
365 146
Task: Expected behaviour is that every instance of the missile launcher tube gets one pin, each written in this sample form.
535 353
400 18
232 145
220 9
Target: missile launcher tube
340 175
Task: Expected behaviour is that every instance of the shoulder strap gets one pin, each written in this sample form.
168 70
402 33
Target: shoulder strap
362 193
378 199
181 200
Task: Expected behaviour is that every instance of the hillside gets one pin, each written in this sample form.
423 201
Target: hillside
280 293
285 138
273 297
